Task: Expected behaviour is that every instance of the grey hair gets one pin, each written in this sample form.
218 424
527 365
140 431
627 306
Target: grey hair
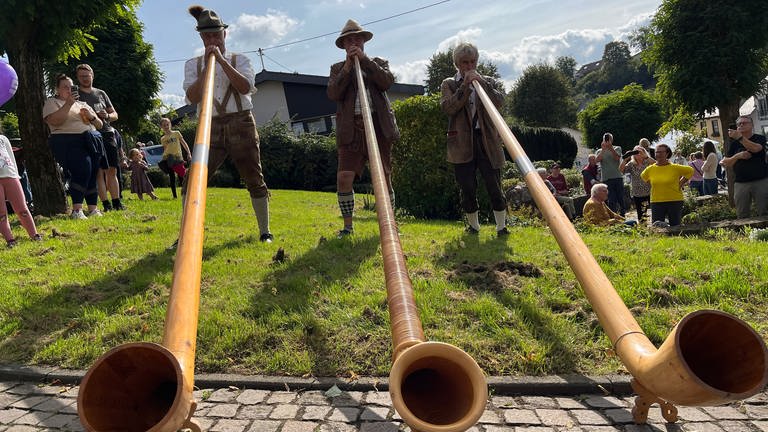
596 188
541 171
464 50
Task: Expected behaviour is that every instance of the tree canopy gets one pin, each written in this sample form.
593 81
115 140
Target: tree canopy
34 32
543 96
709 55
629 114
124 67
441 66
617 69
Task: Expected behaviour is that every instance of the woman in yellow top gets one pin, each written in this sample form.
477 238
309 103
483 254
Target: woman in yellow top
173 158
667 180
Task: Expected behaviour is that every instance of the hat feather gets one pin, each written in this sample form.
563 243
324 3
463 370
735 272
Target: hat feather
195 11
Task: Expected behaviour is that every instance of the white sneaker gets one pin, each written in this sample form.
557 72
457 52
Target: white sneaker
95 213
78 214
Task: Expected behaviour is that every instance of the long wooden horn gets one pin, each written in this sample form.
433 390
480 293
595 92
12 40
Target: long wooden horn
434 386
710 358
145 386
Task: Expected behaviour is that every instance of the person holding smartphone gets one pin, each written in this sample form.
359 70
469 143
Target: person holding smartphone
746 157
75 143
609 157
99 100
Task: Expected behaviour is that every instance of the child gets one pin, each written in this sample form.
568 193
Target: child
173 158
140 183
10 189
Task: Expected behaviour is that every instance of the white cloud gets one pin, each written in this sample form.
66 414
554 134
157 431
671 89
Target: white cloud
468 35
172 100
250 31
411 72
584 45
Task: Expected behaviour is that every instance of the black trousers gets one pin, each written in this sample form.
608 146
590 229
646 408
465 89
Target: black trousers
466 177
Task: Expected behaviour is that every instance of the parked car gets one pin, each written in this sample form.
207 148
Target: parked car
153 154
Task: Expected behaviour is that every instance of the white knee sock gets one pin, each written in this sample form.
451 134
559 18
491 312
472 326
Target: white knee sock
473 220
501 219
261 208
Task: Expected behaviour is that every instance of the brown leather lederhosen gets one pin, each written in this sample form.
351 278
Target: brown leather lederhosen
235 135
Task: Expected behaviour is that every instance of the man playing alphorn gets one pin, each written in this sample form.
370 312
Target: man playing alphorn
350 133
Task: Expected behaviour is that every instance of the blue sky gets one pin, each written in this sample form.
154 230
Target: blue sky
510 33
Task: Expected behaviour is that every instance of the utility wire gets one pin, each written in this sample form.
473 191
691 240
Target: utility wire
261 50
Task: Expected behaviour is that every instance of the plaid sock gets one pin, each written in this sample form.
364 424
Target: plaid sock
346 203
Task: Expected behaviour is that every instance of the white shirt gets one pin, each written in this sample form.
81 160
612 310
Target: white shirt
221 81
8 168
472 99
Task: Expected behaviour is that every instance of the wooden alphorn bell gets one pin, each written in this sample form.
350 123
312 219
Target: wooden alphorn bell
710 358
144 386
434 386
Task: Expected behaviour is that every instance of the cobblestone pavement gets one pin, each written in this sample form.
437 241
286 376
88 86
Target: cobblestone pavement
26 406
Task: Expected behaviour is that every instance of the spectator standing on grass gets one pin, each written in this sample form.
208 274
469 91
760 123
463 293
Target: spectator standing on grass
667 180
609 157
709 169
10 189
646 144
140 183
697 180
175 153
76 144
106 180
635 162
747 158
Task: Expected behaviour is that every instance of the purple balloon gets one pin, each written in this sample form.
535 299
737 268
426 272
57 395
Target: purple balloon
9 82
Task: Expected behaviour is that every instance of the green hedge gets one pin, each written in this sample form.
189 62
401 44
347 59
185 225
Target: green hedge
307 162
542 144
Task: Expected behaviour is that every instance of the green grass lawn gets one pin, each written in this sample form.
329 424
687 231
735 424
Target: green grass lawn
94 284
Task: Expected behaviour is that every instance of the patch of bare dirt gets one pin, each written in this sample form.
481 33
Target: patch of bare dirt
496 277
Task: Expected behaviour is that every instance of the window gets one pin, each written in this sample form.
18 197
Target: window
317 126
762 107
298 128
715 128
702 125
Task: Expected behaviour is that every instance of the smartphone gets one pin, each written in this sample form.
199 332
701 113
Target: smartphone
606 137
75 91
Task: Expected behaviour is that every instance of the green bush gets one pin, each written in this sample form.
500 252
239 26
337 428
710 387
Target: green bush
547 144
629 114
307 162
156 176
423 180
316 167
715 208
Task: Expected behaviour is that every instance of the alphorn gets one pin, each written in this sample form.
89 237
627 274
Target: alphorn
434 386
145 386
710 358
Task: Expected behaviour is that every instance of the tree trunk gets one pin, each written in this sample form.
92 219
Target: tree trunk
47 187
729 112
